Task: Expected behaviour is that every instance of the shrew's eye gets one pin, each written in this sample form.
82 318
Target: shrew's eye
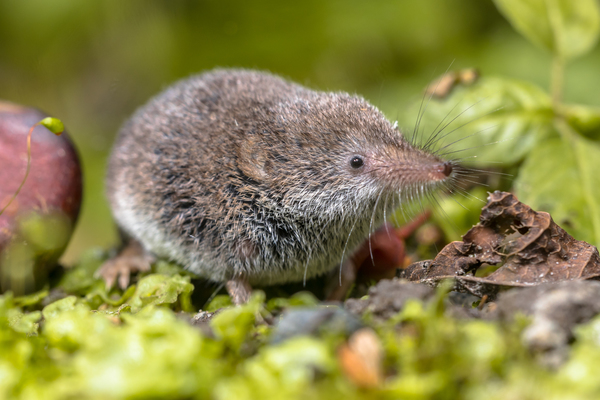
356 162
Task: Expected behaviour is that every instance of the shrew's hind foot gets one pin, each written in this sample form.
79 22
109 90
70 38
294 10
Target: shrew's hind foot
239 290
132 258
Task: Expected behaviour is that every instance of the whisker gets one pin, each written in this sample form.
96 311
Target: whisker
371 226
475 182
464 193
466 137
344 251
311 252
419 114
435 131
401 210
465 124
459 159
433 142
460 204
214 294
467 195
490 172
444 214
387 228
428 101
471 148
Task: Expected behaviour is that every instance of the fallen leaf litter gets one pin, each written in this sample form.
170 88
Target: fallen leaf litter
529 246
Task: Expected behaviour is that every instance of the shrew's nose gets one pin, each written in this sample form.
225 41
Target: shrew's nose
446 168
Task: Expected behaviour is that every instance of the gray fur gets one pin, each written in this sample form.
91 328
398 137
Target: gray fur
237 172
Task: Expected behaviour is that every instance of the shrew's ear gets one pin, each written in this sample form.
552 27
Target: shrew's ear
252 158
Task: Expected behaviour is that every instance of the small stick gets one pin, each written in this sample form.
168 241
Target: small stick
482 302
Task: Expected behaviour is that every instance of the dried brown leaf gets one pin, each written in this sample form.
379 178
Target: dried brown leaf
531 248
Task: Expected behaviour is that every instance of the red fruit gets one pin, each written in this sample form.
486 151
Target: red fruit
46 208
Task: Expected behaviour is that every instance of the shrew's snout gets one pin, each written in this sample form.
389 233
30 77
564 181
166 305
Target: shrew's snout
410 168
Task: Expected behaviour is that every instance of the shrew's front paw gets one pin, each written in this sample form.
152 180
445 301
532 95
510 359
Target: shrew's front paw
133 258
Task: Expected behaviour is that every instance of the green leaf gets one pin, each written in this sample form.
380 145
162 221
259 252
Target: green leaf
233 325
561 177
26 323
499 120
80 278
568 28
584 119
220 301
31 299
55 309
284 371
54 125
300 299
159 289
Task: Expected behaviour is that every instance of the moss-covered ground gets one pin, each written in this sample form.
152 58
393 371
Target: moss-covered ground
142 344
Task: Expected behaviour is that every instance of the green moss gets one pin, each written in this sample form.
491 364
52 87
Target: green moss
146 348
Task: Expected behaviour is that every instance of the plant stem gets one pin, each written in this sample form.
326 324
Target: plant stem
557 82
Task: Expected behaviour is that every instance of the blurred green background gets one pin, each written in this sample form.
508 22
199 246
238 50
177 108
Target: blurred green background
91 63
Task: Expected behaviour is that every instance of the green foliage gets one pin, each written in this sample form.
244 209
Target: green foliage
233 325
160 289
69 350
566 28
569 192
500 119
285 371
584 119
552 147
